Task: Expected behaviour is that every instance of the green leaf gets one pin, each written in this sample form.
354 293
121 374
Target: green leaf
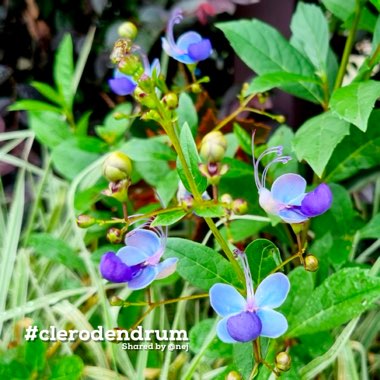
265 51
376 3
243 138
167 187
35 354
311 34
82 124
56 250
198 333
209 210
243 358
200 265
342 9
151 149
48 92
263 256
152 171
67 368
33 105
266 82
242 229
63 70
326 131
237 168
51 128
372 229
356 152
192 160
168 218
187 113
354 103
341 297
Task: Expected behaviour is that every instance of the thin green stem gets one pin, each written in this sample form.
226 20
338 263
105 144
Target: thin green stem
349 45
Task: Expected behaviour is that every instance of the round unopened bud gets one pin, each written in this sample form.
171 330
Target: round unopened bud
226 198
144 98
196 88
239 206
213 147
311 263
130 64
127 30
171 100
114 235
233 375
117 166
85 221
283 361
120 49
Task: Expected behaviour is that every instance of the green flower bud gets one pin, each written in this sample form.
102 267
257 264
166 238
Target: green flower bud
226 198
144 98
170 100
151 115
239 206
114 235
85 221
213 147
117 166
120 49
283 361
196 88
311 263
233 375
127 30
130 64
118 190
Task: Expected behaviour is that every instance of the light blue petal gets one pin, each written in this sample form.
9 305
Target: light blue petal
155 66
291 216
166 268
187 39
131 256
289 188
143 279
272 291
144 240
226 300
221 331
274 324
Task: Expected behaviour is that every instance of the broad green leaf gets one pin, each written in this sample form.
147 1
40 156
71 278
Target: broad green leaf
354 103
209 210
35 354
198 333
241 230
237 168
311 34
48 92
55 250
268 81
376 35
33 105
67 368
265 51
356 152
341 297
151 149
152 171
50 128
63 70
243 358
168 218
200 265
192 160
263 256
167 187
187 113
82 124
342 9
325 131
372 229
376 3
243 138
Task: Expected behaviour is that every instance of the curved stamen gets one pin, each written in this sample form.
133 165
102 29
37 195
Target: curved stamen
255 164
248 279
275 149
175 18
283 159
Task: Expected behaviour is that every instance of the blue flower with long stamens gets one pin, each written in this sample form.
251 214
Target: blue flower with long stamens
138 263
190 47
287 197
245 319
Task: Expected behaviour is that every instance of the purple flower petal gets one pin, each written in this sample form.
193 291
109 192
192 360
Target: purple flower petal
317 201
244 327
289 189
132 256
272 291
226 300
201 50
122 86
144 278
292 215
187 39
274 324
166 268
222 332
144 240
113 269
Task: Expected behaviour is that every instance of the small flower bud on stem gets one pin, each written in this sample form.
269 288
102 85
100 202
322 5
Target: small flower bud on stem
283 361
311 263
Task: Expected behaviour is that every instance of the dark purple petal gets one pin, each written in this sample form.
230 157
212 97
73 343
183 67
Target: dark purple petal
317 201
114 270
122 86
200 51
244 327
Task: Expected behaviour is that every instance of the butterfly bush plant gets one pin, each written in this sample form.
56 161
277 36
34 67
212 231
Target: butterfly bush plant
260 241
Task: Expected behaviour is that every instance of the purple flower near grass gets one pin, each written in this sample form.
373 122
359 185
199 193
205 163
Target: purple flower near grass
287 197
245 319
190 47
138 263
